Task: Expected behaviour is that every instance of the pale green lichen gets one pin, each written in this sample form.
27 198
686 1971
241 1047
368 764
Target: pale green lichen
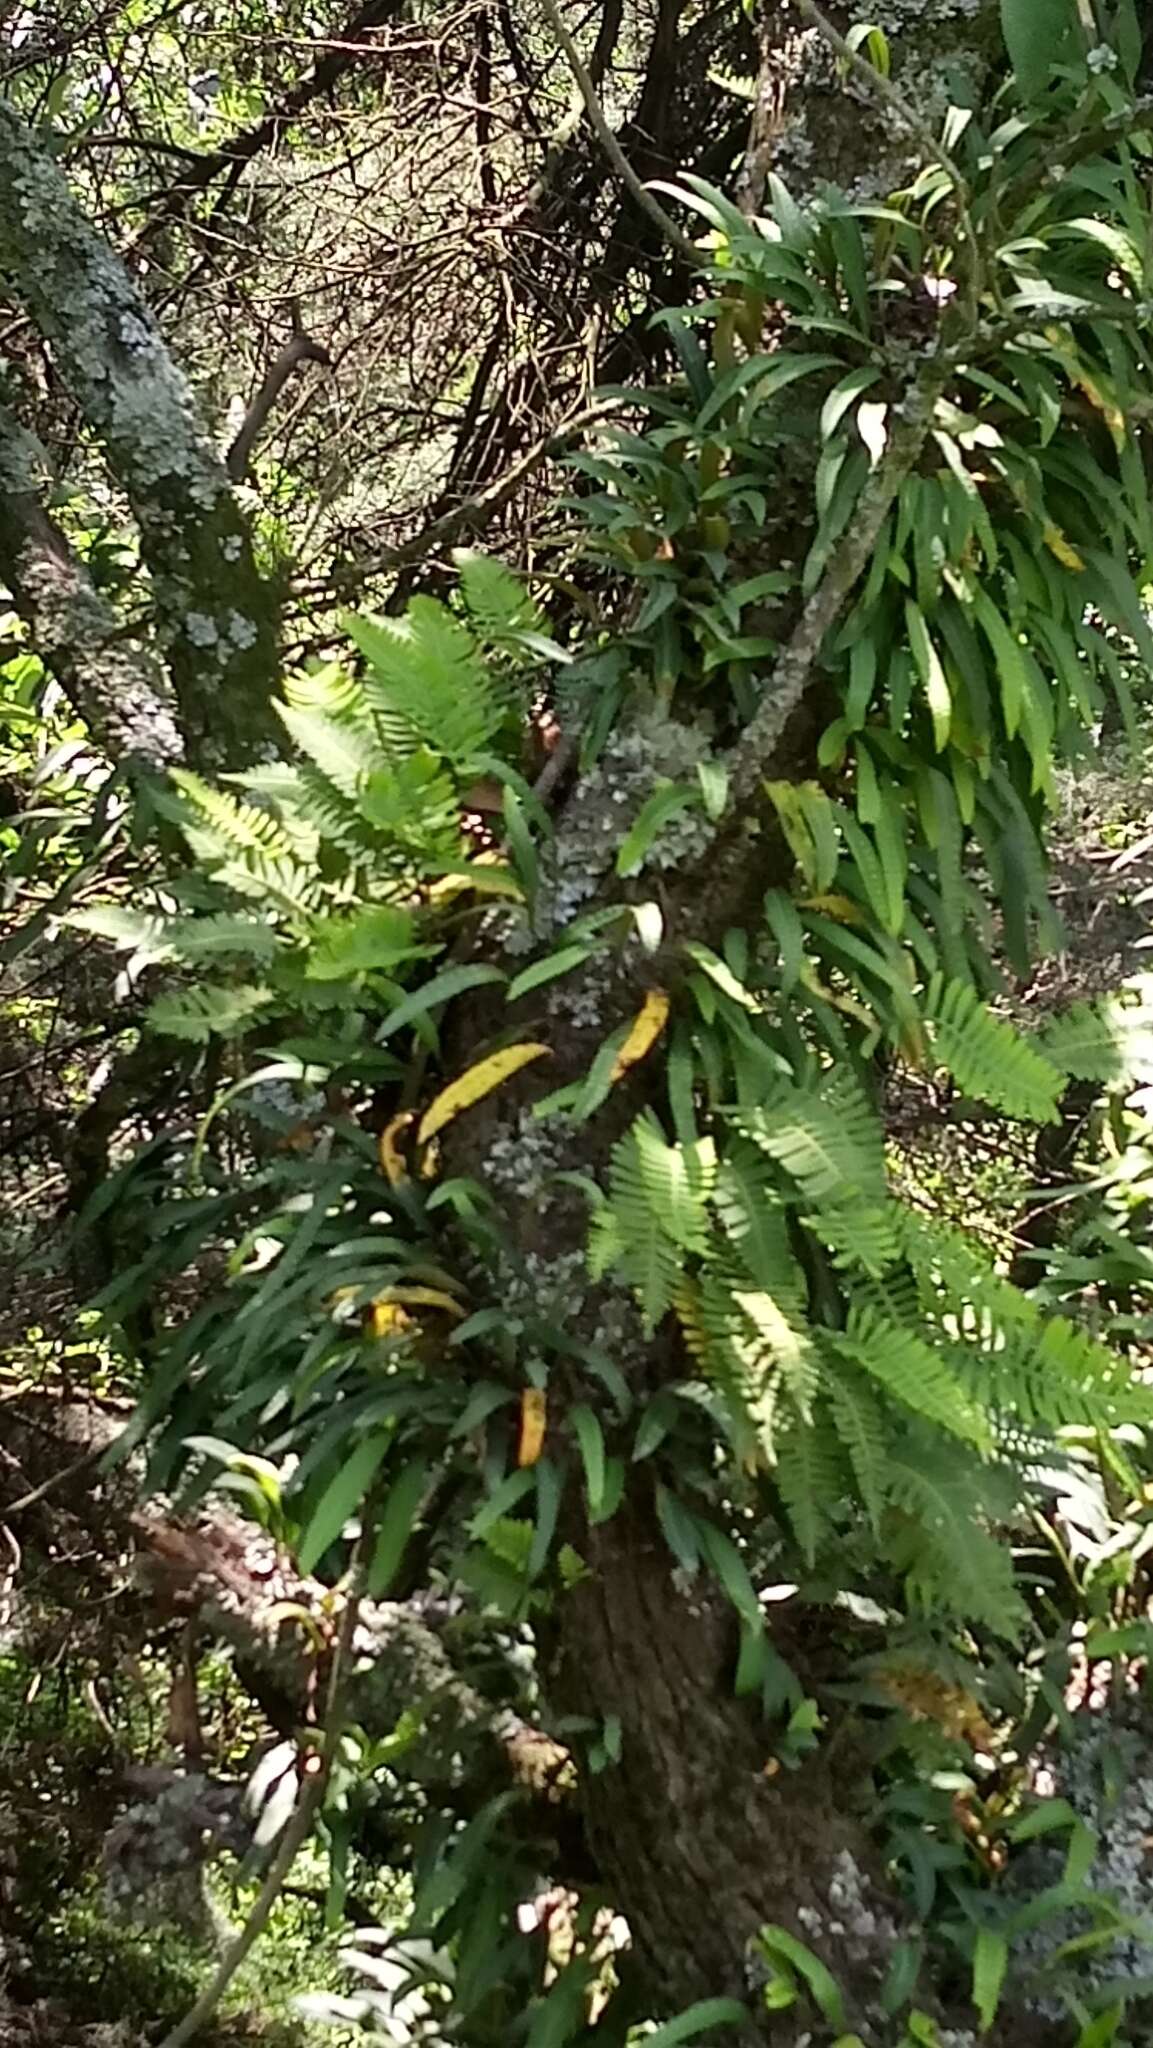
110 354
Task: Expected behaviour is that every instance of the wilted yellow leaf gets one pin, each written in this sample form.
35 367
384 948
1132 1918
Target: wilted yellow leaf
533 1415
474 1083
391 1157
1059 545
927 1697
418 1297
388 1319
646 1028
485 874
841 908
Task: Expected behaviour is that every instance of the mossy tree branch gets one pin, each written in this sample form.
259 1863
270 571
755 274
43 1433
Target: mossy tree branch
113 682
216 615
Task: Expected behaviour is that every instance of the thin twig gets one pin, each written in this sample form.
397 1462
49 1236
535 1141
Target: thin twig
300 349
471 513
885 90
294 1836
91 1456
598 120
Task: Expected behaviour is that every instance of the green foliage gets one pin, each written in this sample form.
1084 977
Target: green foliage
820 1381
339 853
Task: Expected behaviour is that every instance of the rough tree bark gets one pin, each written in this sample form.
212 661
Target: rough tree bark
112 679
215 614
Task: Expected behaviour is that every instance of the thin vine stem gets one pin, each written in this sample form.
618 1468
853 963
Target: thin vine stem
599 123
884 89
295 1834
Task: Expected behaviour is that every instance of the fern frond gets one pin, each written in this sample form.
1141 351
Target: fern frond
861 1429
861 1236
278 885
947 1556
659 1203
677 1186
911 1372
321 811
344 755
224 825
200 1014
1110 1041
331 692
987 1057
830 1142
413 803
1019 1361
809 1479
373 938
730 1356
496 601
780 1343
755 1221
425 671
226 932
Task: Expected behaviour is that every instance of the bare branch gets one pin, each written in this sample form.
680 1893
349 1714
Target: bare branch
316 1776
764 124
752 757
598 121
473 513
300 349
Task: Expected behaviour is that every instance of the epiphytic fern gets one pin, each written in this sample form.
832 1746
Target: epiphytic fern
1110 1041
987 1057
827 1141
656 1212
429 685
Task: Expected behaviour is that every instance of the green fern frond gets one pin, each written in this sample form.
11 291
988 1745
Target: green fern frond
987 1057
860 1426
677 1182
373 938
755 1221
344 755
224 825
1019 1361
770 1341
1046 1373
330 818
810 1480
1110 1041
200 1014
496 601
283 886
413 803
331 692
425 671
731 1356
947 1556
226 932
861 1236
829 1142
911 1372
659 1204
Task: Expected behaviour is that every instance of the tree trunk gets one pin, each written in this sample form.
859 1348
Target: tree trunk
216 614
700 1834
